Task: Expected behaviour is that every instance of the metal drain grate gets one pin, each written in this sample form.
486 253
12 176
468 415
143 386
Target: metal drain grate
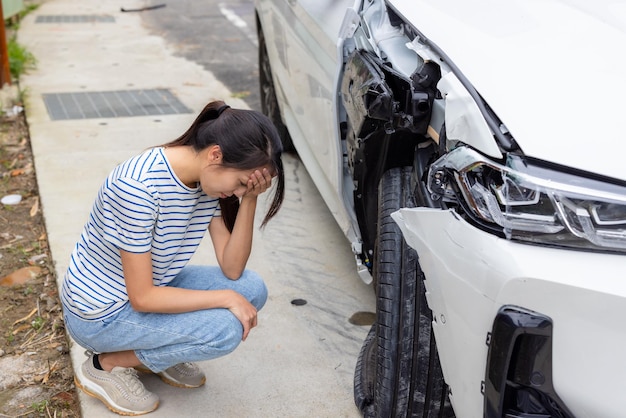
112 104
75 19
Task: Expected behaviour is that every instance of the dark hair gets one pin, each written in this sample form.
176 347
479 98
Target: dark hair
247 139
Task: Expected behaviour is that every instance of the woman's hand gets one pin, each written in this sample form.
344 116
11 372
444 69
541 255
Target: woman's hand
259 182
233 248
245 312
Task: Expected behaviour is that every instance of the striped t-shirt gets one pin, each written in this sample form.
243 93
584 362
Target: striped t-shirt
142 206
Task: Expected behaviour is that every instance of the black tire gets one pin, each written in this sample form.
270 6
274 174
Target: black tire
269 102
398 373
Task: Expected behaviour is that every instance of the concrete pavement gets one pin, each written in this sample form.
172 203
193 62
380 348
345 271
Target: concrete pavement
297 362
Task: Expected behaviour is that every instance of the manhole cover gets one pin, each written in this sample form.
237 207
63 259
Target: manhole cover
112 104
75 19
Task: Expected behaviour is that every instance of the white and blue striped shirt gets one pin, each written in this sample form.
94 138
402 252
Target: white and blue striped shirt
141 207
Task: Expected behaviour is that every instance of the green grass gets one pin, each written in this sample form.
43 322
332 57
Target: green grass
37 323
21 60
40 406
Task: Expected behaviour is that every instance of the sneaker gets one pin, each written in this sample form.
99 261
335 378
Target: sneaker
120 389
183 375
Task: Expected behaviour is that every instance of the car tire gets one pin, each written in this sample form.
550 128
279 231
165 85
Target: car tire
398 373
269 102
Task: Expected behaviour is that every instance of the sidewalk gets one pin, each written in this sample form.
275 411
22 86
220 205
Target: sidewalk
110 51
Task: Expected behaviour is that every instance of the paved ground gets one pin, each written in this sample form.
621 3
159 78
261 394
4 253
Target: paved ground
219 35
300 359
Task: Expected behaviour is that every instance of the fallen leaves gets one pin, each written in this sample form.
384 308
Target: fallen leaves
20 276
26 318
34 208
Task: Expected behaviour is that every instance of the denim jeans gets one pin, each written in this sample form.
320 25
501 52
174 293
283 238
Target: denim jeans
163 340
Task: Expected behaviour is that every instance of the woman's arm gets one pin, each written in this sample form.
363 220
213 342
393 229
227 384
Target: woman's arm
233 249
145 297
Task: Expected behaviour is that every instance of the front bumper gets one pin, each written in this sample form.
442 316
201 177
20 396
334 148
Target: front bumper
471 275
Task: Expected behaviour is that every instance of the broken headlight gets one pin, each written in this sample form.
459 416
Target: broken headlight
533 201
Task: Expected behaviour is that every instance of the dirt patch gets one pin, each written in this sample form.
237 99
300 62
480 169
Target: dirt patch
36 376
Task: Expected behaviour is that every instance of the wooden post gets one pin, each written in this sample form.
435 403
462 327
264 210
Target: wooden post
5 73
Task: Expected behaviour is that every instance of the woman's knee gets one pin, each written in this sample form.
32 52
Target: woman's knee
227 339
254 288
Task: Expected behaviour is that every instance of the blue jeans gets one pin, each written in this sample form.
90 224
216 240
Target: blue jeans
163 340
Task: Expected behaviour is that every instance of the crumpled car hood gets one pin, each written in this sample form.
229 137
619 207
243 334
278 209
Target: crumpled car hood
553 72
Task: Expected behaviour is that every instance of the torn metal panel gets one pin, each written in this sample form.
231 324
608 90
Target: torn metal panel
464 120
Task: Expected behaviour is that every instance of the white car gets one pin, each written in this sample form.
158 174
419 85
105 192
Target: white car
488 139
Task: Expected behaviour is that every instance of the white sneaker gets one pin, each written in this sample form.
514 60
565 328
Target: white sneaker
182 375
120 389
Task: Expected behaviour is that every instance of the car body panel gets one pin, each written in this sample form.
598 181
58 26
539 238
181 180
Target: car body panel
307 54
312 56
467 287
524 56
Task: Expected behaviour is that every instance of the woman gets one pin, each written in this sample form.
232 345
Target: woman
128 294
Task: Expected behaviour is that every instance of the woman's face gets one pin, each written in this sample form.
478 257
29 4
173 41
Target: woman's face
220 182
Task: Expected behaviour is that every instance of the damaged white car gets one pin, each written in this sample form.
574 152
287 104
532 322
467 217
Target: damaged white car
481 188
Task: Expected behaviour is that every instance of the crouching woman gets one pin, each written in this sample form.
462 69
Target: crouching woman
129 296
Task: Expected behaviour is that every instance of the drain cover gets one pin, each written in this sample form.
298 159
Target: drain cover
75 19
112 104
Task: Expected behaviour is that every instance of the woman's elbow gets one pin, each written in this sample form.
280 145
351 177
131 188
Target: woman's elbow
140 304
232 273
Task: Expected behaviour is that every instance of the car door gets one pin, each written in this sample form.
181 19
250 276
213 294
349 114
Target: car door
312 53
305 34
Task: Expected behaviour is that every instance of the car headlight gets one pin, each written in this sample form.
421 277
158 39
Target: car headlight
534 201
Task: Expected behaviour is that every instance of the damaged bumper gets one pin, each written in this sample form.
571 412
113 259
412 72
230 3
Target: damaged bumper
476 282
